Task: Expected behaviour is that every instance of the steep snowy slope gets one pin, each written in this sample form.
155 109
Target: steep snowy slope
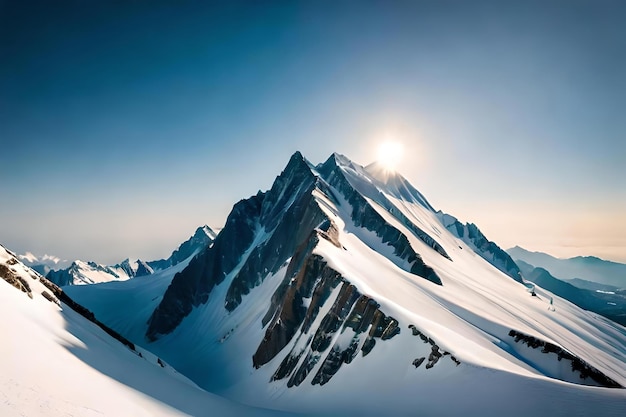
55 362
340 290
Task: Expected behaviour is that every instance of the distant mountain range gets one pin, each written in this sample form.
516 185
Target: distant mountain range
80 272
43 264
609 302
588 268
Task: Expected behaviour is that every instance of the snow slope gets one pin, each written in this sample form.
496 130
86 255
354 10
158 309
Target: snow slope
341 291
54 362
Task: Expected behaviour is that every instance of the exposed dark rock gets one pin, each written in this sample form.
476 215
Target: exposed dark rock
191 287
287 311
435 353
302 372
434 356
201 239
277 223
487 249
578 365
287 214
62 276
143 268
364 215
68 301
368 345
399 187
15 280
295 226
417 362
50 298
308 276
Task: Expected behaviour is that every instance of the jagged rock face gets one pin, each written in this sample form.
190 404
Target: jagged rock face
578 366
364 215
78 271
61 277
201 239
488 250
279 219
277 222
191 287
142 268
290 320
14 279
435 354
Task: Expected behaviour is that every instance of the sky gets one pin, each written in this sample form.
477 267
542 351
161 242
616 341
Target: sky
126 125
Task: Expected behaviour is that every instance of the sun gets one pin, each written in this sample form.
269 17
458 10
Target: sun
390 154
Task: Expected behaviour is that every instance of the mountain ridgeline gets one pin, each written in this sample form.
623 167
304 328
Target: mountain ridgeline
79 272
488 250
282 228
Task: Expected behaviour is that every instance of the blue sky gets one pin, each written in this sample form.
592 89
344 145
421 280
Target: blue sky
123 127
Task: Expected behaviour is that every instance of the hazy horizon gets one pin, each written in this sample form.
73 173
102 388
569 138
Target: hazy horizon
125 127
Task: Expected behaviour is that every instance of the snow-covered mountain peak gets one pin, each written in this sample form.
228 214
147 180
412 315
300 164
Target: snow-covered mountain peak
333 276
135 267
43 264
334 289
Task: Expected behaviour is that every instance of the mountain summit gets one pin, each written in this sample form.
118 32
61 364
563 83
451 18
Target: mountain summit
342 290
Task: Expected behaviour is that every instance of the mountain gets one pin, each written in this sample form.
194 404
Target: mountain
590 285
587 268
610 304
57 362
42 264
488 250
342 291
200 240
80 272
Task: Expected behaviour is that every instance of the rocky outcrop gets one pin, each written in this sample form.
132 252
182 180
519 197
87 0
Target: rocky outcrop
435 353
78 272
276 221
488 250
352 324
192 286
201 239
364 215
68 301
133 269
10 276
579 366
263 233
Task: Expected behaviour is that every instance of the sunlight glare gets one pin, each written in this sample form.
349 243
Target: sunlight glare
389 154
